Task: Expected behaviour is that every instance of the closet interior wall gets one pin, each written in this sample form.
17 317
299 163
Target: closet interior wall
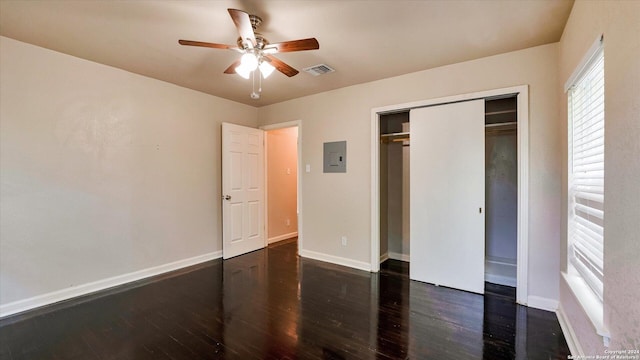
394 186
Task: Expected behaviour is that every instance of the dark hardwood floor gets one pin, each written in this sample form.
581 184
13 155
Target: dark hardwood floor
270 304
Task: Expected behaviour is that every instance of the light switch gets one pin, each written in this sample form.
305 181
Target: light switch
308 168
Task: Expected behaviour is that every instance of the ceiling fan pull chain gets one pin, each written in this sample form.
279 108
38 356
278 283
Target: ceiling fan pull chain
254 95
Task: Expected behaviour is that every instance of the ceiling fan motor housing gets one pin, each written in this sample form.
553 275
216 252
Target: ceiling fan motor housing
261 41
255 21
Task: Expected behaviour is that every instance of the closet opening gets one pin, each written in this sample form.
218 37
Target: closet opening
501 190
394 186
453 168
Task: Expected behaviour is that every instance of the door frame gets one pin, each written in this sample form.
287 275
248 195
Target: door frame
522 95
283 125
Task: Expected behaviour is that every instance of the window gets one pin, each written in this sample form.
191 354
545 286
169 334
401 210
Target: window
585 223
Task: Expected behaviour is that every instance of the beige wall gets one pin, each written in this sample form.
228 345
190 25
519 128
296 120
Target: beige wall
282 183
619 21
104 172
339 204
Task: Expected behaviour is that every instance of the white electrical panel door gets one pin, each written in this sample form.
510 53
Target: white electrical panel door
447 195
242 190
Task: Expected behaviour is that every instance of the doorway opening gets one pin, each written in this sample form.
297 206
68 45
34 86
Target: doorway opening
282 182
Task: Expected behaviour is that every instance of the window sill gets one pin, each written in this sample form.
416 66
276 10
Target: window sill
590 303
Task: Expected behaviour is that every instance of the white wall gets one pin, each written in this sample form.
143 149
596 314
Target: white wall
619 21
339 204
103 172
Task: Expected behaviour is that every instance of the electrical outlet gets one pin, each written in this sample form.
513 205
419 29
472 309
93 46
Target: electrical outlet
288 222
344 240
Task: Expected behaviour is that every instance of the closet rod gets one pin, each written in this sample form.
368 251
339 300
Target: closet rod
395 137
406 133
501 124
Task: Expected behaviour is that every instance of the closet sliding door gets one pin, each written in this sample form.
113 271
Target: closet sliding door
447 195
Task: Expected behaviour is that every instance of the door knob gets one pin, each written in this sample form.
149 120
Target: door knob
227 197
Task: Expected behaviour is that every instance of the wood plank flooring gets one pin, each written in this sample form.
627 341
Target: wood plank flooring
270 304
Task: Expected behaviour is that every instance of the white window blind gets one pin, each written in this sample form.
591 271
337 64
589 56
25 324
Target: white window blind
586 172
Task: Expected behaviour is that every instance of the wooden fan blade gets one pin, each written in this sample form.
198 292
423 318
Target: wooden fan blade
232 68
294 45
206 44
243 24
281 66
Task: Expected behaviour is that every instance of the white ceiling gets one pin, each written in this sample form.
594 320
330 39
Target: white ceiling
362 40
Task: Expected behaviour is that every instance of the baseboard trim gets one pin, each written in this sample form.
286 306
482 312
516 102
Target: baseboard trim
38 301
500 280
399 256
384 257
336 260
569 334
282 237
541 303
501 260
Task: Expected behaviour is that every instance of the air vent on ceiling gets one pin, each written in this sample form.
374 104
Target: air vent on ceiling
319 69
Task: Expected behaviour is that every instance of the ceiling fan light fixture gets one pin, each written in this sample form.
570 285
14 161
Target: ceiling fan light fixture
243 71
249 61
266 69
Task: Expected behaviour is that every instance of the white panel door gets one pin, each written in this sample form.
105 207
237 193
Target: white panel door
242 190
447 195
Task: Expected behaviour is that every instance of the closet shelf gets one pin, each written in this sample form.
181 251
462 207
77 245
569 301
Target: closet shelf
394 137
513 111
501 128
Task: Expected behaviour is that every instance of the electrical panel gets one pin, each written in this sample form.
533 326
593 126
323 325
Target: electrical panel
335 157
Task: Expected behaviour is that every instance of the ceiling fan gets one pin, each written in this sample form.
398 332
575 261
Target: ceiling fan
257 51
